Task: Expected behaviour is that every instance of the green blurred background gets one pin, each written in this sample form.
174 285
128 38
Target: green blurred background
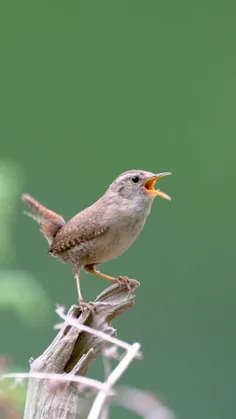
88 90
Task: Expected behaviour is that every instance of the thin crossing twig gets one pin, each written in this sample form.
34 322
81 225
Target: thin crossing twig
89 382
111 381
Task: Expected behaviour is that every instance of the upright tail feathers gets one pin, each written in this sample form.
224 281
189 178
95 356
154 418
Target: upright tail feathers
50 222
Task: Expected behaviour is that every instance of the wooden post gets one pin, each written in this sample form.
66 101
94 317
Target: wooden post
72 352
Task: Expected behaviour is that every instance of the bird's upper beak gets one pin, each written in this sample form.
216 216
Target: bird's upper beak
150 184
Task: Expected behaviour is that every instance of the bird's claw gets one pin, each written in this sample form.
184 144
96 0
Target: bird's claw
86 306
124 280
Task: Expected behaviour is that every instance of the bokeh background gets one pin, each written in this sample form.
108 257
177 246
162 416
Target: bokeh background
88 90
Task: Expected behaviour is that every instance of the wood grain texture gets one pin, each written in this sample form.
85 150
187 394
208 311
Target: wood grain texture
72 352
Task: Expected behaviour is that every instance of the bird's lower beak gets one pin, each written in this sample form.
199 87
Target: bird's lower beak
149 185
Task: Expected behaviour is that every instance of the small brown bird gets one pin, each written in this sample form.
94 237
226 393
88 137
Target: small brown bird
104 230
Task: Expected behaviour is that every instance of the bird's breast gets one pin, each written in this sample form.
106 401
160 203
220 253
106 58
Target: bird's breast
120 237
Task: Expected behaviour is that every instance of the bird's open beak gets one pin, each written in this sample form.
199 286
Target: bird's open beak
150 184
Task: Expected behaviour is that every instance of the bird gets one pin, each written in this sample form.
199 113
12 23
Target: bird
104 230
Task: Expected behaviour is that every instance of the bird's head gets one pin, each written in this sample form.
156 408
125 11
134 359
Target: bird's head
138 185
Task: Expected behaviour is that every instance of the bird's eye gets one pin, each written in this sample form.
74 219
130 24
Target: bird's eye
135 179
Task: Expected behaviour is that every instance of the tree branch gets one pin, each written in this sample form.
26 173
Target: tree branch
72 352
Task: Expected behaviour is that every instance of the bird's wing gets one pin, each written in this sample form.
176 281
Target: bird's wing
83 227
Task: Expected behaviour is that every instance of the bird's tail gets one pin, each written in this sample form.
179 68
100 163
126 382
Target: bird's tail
50 222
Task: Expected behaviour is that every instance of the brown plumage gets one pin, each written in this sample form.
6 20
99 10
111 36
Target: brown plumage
104 230
50 222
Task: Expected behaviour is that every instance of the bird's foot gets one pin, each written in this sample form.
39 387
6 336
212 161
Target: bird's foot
86 306
124 280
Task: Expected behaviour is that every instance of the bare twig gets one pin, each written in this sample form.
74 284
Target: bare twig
144 404
106 363
65 378
111 381
107 371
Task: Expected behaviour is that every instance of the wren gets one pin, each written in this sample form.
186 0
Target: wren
104 230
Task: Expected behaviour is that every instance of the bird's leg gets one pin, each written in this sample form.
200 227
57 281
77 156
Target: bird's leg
80 298
121 279
91 269
81 301
124 280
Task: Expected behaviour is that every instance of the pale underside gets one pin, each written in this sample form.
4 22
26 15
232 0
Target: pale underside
92 240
